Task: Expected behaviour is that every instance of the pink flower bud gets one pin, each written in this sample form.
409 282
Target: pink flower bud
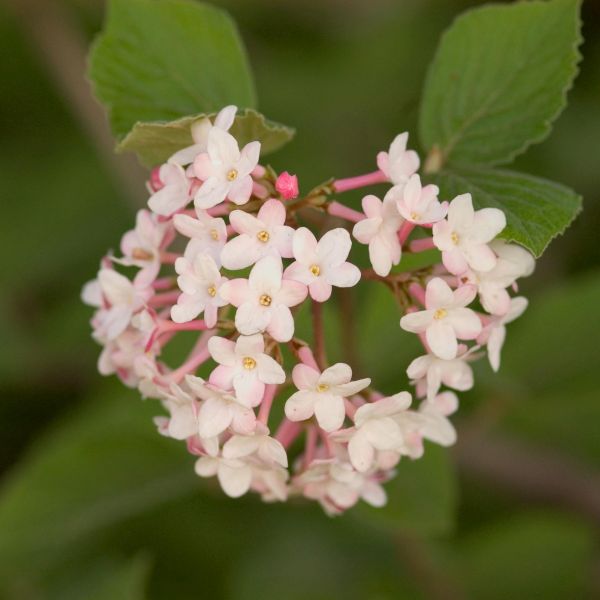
287 185
155 181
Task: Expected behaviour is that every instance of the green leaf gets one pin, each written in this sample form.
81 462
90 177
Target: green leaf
537 210
103 466
162 60
422 498
526 556
155 142
498 80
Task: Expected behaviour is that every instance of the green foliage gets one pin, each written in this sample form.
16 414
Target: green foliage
499 79
536 209
155 142
165 59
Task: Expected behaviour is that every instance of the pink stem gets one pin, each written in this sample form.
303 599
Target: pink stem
288 431
219 210
352 183
230 230
350 408
339 210
421 245
311 445
307 357
190 365
164 298
326 442
164 283
405 231
267 402
169 257
417 292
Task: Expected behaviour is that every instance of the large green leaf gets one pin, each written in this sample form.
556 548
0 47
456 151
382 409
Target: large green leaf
537 210
499 79
166 59
105 465
155 142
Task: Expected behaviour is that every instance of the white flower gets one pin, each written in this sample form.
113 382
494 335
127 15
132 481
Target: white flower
182 407
224 170
141 246
375 430
263 235
321 265
494 332
267 449
175 193
118 299
399 163
234 475
207 233
445 318
264 300
337 486
433 372
219 410
200 130
380 231
419 204
200 282
244 366
429 422
322 394
464 235
512 263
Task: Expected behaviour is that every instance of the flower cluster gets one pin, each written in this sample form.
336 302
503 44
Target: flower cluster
221 254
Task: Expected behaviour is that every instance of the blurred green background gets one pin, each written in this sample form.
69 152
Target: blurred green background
94 504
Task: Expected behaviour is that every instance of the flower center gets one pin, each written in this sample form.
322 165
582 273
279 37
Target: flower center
212 291
232 174
454 237
315 270
440 313
249 363
214 234
415 216
141 254
265 300
322 387
263 236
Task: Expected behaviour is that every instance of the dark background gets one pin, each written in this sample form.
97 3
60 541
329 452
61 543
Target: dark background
511 512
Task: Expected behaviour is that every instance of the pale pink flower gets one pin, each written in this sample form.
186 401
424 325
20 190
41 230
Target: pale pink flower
380 231
244 366
208 234
464 235
200 282
200 130
321 265
420 205
234 475
512 263
264 300
175 193
398 164
338 487
287 185
375 430
494 332
183 409
225 170
322 394
263 235
220 409
260 444
141 246
445 318
429 372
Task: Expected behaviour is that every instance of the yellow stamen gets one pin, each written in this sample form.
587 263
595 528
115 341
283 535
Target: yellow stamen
212 291
322 387
315 270
440 313
249 363
232 174
214 234
263 236
141 254
454 237
265 300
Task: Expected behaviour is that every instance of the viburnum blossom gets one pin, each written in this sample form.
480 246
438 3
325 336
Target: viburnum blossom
228 254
